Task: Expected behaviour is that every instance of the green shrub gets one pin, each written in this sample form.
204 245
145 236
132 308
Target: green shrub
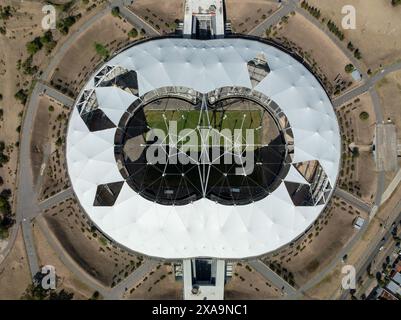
364 116
349 68
34 46
101 50
115 11
21 95
133 33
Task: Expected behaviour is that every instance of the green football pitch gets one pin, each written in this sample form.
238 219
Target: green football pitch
219 120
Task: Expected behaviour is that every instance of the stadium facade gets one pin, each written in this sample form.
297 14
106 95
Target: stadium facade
203 208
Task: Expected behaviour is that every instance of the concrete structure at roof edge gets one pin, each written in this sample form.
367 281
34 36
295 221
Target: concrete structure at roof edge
244 68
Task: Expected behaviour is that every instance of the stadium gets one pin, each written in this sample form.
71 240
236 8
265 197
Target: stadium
200 199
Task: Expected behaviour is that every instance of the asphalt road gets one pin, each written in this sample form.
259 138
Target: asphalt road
374 247
28 207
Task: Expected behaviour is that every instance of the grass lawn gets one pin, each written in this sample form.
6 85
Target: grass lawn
190 119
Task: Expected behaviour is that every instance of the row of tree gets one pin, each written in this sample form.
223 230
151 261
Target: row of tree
312 10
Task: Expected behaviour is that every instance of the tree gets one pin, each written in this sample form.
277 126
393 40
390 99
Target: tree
349 68
101 50
5 13
364 116
64 25
62 295
133 33
21 96
395 2
47 37
34 46
27 66
115 11
358 54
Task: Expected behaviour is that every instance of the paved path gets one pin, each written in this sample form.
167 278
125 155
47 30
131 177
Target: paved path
68 262
374 247
369 84
135 277
391 188
260 30
56 95
57 198
27 233
340 44
133 19
107 293
355 201
28 206
48 72
273 277
26 203
26 199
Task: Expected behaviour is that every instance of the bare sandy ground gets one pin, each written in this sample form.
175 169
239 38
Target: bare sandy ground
246 15
20 29
161 15
317 48
65 278
80 60
47 153
312 252
389 90
14 272
378 28
353 177
104 261
329 288
23 26
159 284
246 284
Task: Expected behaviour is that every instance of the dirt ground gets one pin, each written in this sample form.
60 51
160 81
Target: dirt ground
329 288
22 27
65 278
389 90
161 15
374 228
377 30
247 284
322 54
104 261
47 143
14 272
246 15
81 59
315 250
159 284
353 177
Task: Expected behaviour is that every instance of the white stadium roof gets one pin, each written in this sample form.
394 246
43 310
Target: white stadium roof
203 228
